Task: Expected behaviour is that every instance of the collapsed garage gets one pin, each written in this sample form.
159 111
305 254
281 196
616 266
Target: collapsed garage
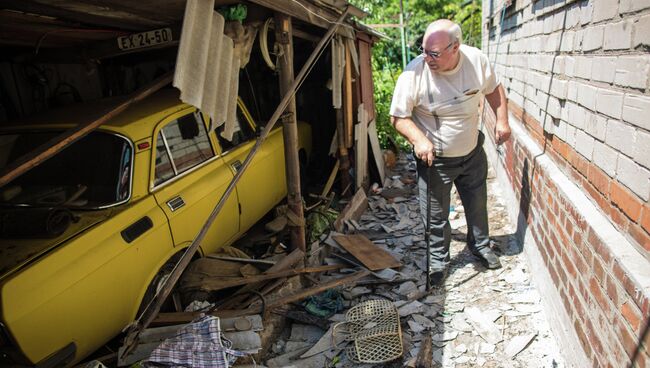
136 137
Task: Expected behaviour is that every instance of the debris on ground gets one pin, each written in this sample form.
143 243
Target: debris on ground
357 297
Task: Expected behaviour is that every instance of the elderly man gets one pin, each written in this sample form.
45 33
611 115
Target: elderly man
435 106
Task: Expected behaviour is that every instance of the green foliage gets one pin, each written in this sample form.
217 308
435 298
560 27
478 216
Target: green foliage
387 54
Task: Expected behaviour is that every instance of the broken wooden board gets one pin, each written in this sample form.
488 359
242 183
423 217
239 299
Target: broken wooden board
371 256
353 210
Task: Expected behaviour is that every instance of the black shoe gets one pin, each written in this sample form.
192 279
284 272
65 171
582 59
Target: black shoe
488 258
437 279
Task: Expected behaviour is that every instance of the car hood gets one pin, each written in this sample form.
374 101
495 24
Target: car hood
16 253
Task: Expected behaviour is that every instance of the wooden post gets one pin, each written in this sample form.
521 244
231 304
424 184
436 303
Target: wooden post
344 157
283 35
347 93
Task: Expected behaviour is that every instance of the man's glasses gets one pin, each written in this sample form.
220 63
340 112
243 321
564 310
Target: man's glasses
435 54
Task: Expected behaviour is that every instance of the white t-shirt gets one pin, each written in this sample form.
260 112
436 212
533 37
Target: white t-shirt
444 105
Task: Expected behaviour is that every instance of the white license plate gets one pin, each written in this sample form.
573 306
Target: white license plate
144 39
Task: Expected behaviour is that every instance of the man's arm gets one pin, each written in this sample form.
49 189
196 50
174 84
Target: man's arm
422 146
499 103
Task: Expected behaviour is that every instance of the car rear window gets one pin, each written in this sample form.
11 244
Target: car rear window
181 145
93 172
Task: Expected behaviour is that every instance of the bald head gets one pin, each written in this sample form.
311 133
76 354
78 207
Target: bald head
443 27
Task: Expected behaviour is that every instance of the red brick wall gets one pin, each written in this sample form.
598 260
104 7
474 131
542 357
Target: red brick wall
608 309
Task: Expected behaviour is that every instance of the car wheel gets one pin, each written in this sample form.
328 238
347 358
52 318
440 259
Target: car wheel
156 284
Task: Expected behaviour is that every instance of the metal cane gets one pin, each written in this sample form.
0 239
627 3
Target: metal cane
427 230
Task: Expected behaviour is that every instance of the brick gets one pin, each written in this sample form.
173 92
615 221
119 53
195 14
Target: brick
628 6
569 66
599 297
632 71
596 126
606 158
593 38
642 148
604 69
587 96
559 88
640 236
599 271
609 102
586 12
626 201
571 136
583 67
641 31
635 177
618 36
645 218
584 144
612 290
599 179
627 338
576 115
578 161
604 9
621 136
636 110
567 40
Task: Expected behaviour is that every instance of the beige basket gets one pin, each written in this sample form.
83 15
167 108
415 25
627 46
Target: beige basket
374 330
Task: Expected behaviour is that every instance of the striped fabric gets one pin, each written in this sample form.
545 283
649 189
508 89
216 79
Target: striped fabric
197 345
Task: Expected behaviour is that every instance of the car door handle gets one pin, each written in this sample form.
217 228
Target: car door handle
236 165
136 229
175 203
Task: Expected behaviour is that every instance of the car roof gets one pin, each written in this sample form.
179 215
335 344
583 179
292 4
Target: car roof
137 122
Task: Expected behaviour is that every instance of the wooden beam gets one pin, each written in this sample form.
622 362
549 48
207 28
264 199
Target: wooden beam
184 317
302 10
347 93
63 140
283 35
214 285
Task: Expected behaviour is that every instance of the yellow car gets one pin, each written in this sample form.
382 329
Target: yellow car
86 234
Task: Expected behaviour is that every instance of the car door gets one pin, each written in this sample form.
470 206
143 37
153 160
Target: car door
189 178
263 184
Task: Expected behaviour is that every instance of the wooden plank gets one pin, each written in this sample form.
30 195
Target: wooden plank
184 317
214 285
347 93
376 150
242 260
361 148
353 210
330 180
425 355
365 69
370 255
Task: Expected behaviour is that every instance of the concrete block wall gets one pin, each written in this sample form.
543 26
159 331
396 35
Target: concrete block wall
577 74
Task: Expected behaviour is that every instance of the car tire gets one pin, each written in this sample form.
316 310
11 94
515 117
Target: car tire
155 284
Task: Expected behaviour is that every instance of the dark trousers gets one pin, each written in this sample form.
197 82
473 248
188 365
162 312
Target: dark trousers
469 174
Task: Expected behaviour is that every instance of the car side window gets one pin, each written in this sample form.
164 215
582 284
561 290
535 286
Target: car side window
243 132
186 141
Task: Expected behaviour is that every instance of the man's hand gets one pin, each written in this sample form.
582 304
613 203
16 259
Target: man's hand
423 149
502 132
422 146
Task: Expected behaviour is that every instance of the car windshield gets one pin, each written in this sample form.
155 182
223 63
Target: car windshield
93 172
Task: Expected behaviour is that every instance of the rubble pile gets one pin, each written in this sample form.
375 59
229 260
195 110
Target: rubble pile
482 318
